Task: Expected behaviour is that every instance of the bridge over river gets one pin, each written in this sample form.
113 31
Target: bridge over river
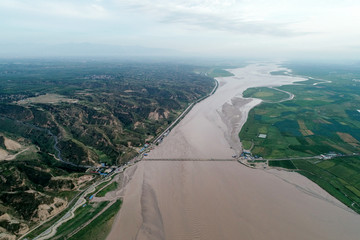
231 159
189 159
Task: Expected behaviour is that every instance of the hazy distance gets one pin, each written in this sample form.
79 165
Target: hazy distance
228 28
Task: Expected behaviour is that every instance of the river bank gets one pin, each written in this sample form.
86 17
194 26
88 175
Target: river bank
210 129
225 200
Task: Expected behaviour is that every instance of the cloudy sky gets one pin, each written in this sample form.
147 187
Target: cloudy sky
247 28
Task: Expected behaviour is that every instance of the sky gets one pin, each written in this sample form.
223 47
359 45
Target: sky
244 28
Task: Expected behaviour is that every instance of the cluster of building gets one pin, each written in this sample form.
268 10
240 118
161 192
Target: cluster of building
146 145
104 170
330 155
161 138
247 155
99 77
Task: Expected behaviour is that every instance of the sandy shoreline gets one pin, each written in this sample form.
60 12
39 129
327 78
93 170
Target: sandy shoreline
210 129
225 200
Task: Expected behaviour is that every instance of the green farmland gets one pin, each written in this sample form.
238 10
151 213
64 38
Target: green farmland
339 176
323 117
111 187
316 121
82 215
266 94
101 226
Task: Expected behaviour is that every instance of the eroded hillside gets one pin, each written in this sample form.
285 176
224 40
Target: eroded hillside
68 116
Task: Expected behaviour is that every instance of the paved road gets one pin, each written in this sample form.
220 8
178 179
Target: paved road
51 231
88 222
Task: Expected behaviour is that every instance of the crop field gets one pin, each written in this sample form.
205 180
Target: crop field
339 176
322 118
101 226
316 121
282 164
82 215
111 187
266 94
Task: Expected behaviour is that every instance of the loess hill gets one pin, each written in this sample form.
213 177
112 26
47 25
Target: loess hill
57 118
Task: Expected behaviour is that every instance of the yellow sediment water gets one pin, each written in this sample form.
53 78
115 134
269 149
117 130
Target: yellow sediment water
225 200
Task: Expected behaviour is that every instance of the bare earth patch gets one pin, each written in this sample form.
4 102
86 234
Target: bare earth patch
11 144
84 179
138 124
322 121
6 236
47 210
348 139
6 156
153 116
303 129
341 149
156 115
48 98
3 154
310 141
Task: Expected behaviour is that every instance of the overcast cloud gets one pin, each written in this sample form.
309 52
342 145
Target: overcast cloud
245 28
